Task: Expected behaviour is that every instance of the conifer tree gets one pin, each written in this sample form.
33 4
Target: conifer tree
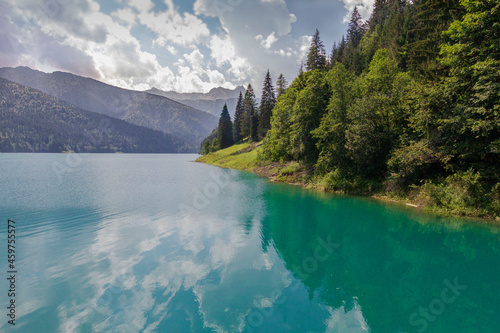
430 19
356 28
254 126
339 52
238 119
316 59
281 85
248 112
225 134
266 106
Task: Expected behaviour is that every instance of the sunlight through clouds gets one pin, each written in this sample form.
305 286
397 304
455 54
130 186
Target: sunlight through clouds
138 44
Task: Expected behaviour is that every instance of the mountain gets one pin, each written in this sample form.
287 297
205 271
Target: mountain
135 107
32 121
211 102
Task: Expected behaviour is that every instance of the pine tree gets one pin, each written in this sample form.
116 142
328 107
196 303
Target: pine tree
225 134
248 112
341 50
356 28
316 59
430 19
254 126
238 119
266 106
333 56
281 85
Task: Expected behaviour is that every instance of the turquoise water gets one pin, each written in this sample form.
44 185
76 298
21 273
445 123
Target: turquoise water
157 243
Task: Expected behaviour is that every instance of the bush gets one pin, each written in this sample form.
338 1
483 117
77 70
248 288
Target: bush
461 193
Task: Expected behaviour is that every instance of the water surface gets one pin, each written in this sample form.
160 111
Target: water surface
157 243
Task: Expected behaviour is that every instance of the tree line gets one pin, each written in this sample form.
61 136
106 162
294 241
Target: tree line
407 103
251 122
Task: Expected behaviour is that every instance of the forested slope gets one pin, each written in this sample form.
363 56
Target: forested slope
135 107
407 103
31 121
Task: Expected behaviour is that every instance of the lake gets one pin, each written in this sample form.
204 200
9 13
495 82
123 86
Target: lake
158 243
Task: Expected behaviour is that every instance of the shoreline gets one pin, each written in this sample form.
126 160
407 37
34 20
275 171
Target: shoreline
243 157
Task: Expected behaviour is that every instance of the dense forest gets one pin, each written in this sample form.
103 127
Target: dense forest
32 121
406 104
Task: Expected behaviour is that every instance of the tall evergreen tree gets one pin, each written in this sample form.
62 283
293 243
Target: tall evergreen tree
430 19
316 59
266 106
225 134
281 85
355 32
356 28
248 112
238 119
254 126
338 52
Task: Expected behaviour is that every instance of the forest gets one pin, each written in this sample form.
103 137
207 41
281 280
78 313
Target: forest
405 105
35 122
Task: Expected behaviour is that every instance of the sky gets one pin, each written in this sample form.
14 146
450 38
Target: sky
179 45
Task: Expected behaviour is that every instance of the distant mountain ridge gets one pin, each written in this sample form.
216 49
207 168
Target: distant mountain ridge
211 102
135 107
213 94
32 121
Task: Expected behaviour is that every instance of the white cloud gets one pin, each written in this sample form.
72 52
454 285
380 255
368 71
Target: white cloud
267 42
142 5
171 26
195 58
78 37
125 16
224 53
365 8
256 32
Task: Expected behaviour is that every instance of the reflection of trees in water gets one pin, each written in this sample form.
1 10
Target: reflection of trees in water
388 264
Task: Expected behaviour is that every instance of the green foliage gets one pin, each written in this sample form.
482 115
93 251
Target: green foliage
238 119
356 28
316 59
430 18
267 102
249 125
460 193
281 85
374 118
211 143
225 129
277 141
330 134
410 102
472 53
306 114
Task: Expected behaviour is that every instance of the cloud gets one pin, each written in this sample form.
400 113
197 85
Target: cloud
256 31
79 38
139 43
171 26
365 8
125 16
224 53
267 42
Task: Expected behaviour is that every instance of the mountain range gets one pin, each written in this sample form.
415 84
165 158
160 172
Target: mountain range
156 112
211 102
32 121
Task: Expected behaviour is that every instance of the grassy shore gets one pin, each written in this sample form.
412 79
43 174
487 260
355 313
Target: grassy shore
244 157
